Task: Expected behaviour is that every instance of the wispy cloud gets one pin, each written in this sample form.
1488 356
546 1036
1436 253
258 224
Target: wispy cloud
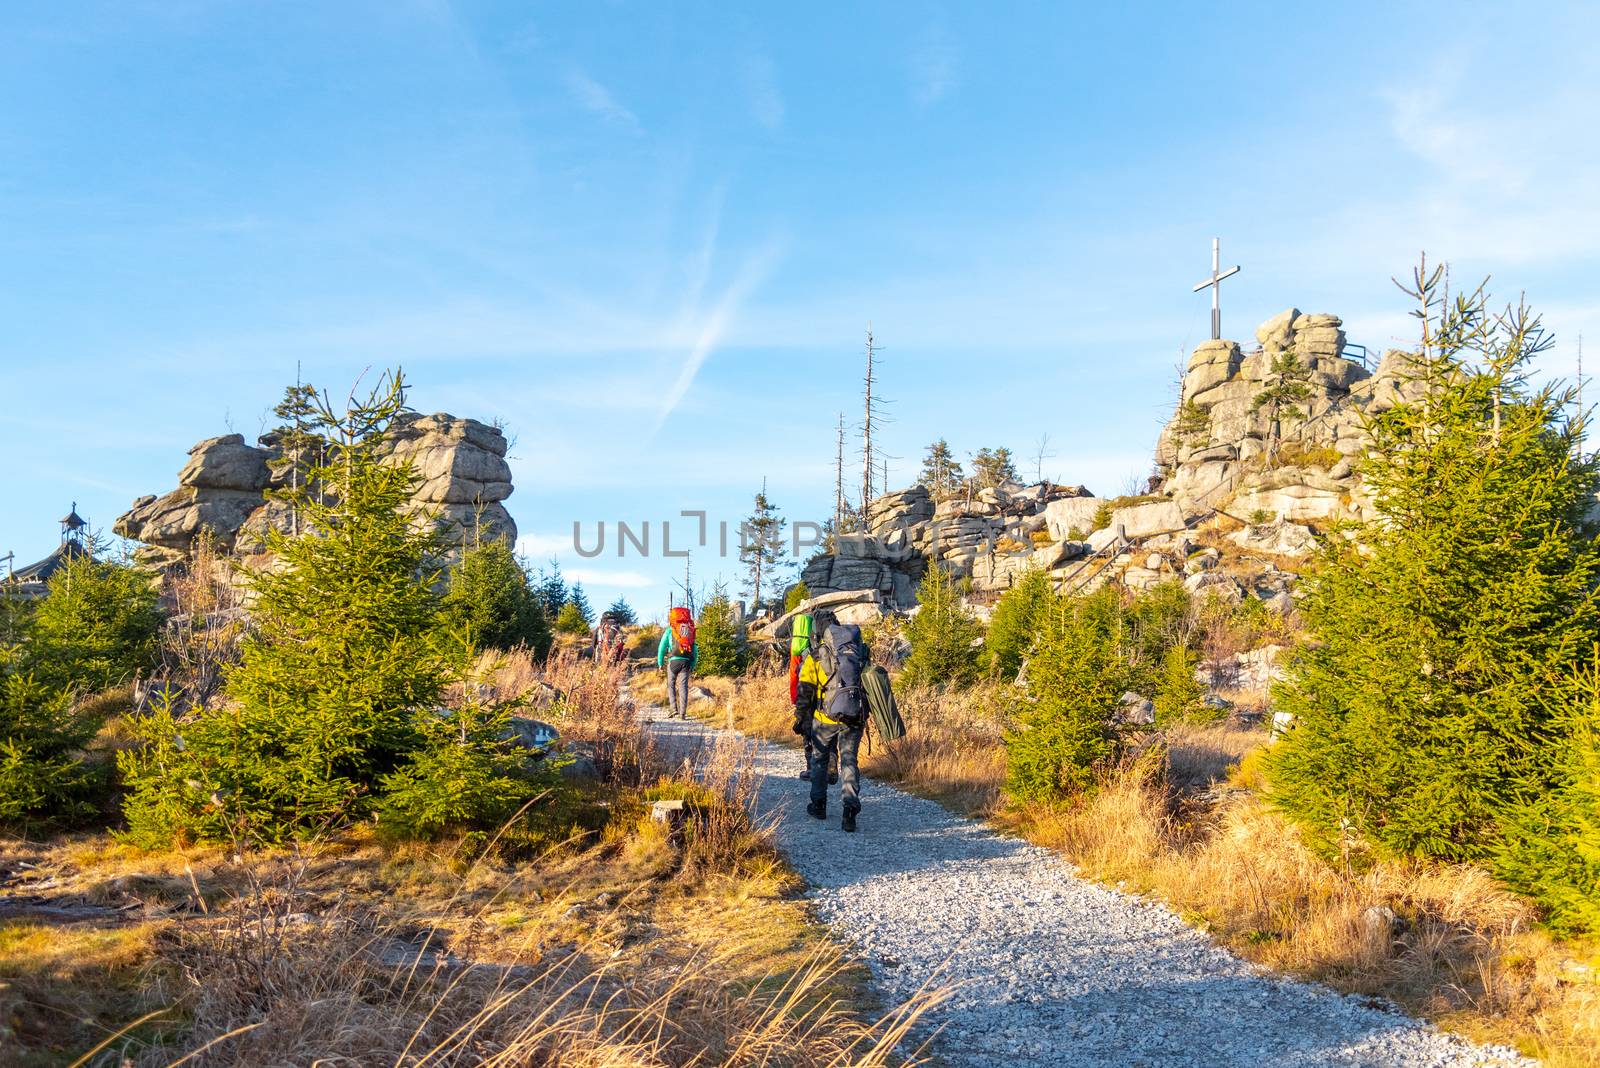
933 64
593 96
715 323
761 91
544 546
610 580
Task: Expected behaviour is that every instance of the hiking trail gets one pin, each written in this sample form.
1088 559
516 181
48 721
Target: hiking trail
1054 969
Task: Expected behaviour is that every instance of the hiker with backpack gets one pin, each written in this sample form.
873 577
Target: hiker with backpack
679 654
854 692
806 681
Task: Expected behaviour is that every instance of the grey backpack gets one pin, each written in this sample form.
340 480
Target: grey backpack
843 659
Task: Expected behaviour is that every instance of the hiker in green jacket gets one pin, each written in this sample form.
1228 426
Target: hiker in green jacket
679 654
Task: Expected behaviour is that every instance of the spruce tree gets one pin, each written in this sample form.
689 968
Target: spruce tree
1289 388
1443 631
622 613
722 647
798 594
580 600
761 546
342 658
552 589
941 472
491 599
96 626
944 637
1016 623
990 467
1179 694
571 621
43 777
1063 738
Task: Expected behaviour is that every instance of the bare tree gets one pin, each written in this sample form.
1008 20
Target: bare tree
872 416
839 504
1041 453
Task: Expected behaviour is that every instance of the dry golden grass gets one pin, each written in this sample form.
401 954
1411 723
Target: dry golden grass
1185 824
1461 949
623 944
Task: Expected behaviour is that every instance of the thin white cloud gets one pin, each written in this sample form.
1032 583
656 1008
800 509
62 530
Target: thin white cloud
761 91
933 64
543 546
715 324
594 97
618 580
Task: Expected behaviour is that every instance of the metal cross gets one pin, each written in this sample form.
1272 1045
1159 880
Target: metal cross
1216 288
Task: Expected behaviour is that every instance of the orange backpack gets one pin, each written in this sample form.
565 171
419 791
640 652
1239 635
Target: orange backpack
682 624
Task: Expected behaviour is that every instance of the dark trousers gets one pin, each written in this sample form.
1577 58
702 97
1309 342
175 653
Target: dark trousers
678 672
827 741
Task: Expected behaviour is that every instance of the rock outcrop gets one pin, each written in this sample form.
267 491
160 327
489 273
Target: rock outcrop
1223 446
460 465
1225 453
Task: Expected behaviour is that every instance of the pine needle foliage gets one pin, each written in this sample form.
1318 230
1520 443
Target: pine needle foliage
1446 630
944 637
1552 846
1016 623
1180 697
722 647
43 780
621 613
96 626
570 620
1064 737
339 677
492 601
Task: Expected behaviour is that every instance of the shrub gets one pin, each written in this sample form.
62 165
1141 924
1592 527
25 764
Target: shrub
1063 736
96 626
1179 695
798 594
944 637
1153 622
43 781
491 599
645 642
722 647
571 620
464 774
1428 705
1016 622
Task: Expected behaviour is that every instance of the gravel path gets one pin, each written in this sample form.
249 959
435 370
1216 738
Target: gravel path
1057 970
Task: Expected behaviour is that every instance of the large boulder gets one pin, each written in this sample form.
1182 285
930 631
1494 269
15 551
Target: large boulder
1071 514
1153 517
1277 333
226 463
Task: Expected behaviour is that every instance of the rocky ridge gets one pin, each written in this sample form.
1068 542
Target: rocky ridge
1221 454
224 488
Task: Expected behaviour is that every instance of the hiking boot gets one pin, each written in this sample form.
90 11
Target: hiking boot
805 776
816 810
847 822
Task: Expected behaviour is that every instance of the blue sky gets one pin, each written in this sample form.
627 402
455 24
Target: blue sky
649 237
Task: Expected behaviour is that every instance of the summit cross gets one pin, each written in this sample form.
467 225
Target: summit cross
1215 282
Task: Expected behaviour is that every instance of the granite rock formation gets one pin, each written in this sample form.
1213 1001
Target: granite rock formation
223 488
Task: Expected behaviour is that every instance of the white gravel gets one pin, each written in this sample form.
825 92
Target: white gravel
1055 970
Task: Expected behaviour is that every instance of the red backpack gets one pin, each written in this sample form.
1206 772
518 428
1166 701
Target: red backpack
682 624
